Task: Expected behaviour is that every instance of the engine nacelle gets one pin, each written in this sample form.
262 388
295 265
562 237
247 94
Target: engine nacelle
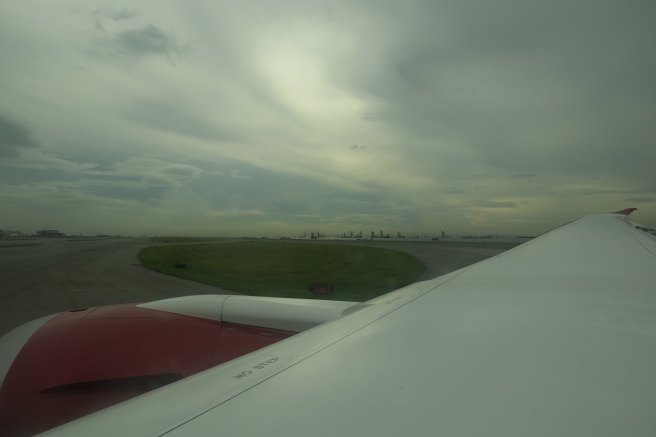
58 369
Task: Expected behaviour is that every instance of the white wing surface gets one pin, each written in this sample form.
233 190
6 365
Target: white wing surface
556 337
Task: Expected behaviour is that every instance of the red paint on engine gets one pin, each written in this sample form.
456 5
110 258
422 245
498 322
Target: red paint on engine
23 381
81 362
626 211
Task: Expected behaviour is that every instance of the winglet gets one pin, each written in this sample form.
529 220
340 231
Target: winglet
624 211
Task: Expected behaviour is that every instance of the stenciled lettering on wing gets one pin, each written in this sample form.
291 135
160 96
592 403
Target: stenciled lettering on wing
256 368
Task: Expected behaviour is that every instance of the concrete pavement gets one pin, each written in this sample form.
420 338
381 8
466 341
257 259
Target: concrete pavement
61 275
42 277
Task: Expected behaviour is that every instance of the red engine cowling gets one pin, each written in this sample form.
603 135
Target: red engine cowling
83 361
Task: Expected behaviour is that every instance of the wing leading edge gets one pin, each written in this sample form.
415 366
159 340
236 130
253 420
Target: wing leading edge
554 337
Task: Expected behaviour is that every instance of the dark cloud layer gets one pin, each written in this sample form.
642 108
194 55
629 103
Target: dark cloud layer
465 115
642 199
147 41
14 136
175 115
484 204
114 15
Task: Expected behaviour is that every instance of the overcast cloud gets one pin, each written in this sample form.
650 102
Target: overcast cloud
278 118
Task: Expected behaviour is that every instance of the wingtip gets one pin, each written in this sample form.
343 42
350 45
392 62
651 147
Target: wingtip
626 211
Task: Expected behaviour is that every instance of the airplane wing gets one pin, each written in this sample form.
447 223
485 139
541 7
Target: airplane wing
554 337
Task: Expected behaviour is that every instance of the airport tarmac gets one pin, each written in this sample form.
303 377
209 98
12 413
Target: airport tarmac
42 277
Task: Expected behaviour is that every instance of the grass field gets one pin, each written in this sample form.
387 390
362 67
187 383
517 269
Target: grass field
440 243
480 243
281 269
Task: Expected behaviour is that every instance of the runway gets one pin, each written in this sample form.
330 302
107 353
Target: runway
42 277
62 275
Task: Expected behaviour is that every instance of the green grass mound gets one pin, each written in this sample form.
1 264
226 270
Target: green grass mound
280 269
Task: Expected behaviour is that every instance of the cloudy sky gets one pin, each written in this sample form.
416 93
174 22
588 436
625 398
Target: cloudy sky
264 117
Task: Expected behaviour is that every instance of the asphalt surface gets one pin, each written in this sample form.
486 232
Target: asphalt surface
42 277
61 275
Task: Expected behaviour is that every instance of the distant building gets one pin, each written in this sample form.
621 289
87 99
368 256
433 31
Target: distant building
49 233
10 234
